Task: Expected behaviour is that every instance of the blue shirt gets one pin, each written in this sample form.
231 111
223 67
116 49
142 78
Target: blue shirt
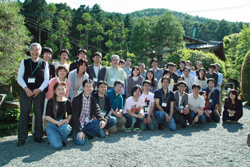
214 99
116 101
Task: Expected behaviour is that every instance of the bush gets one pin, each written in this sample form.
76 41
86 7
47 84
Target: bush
245 75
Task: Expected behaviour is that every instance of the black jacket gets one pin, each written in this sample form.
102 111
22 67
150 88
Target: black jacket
95 111
107 103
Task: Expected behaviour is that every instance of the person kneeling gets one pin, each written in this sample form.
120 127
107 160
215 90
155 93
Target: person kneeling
133 110
58 127
85 109
105 106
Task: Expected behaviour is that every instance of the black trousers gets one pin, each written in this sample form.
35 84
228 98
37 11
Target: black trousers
214 117
26 104
236 116
181 118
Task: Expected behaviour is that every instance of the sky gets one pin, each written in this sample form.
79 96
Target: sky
230 10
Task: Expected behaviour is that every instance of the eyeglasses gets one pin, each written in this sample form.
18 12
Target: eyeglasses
119 87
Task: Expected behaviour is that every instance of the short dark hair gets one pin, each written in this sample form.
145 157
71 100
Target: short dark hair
182 83
213 66
146 82
154 59
186 68
81 62
58 84
134 89
202 92
47 49
102 82
87 81
121 61
82 50
165 77
64 51
195 85
60 68
97 54
166 72
210 79
182 61
118 82
170 64
217 64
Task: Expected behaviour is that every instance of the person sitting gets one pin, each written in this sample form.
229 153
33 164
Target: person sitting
232 108
133 110
164 110
148 107
181 109
196 105
105 106
58 107
87 116
213 95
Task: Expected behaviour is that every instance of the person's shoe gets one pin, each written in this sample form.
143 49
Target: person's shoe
137 130
38 140
89 136
122 128
127 130
64 144
160 126
20 143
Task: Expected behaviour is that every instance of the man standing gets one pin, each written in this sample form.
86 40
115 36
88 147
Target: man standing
85 108
157 71
219 84
213 95
170 67
199 65
81 54
212 74
164 100
96 71
189 79
33 77
64 55
114 72
182 66
127 69
142 70
122 66
181 110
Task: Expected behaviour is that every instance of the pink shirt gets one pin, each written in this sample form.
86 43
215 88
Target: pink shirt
52 82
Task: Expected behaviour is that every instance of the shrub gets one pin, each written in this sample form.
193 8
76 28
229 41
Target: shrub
245 75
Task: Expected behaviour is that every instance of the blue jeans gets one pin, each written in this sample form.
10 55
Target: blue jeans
151 125
202 118
111 122
91 128
132 121
160 117
57 134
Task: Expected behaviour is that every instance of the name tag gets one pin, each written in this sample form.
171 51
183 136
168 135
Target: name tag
31 80
164 104
95 79
210 100
112 79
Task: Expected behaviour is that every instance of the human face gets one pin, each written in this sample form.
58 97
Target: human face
118 88
142 67
122 65
201 73
232 96
165 84
60 91
146 87
170 68
135 72
195 91
150 75
62 73
204 95
82 68
188 64
174 69
88 88
64 56
186 72
102 89
35 52
128 63
198 65
137 93
210 84
115 62
155 64
217 68
182 65
97 59
211 70
47 56
181 88
82 55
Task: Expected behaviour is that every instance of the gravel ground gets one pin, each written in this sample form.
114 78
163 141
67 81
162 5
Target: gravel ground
206 145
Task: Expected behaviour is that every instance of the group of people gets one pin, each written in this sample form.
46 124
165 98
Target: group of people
92 100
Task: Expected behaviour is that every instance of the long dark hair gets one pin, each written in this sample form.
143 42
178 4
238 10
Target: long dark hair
234 92
153 79
202 69
55 104
81 62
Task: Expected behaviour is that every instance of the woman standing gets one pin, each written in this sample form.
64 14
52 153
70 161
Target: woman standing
76 77
58 127
201 78
133 79
232 108
151 77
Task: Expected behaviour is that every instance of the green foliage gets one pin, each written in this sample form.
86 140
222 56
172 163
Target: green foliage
245 75
13 37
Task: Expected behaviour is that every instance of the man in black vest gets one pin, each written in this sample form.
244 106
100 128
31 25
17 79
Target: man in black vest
33 77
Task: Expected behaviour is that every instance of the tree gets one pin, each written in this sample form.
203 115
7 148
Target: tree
224 28
245 75
13 37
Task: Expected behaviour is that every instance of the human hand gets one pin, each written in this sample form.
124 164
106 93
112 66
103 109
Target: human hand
65 121
119 114
28 92
36 92
148 119
167 117
102 124
80 136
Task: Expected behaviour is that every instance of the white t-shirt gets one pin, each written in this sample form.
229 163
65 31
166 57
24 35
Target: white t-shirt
196 103
148 100
132 105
